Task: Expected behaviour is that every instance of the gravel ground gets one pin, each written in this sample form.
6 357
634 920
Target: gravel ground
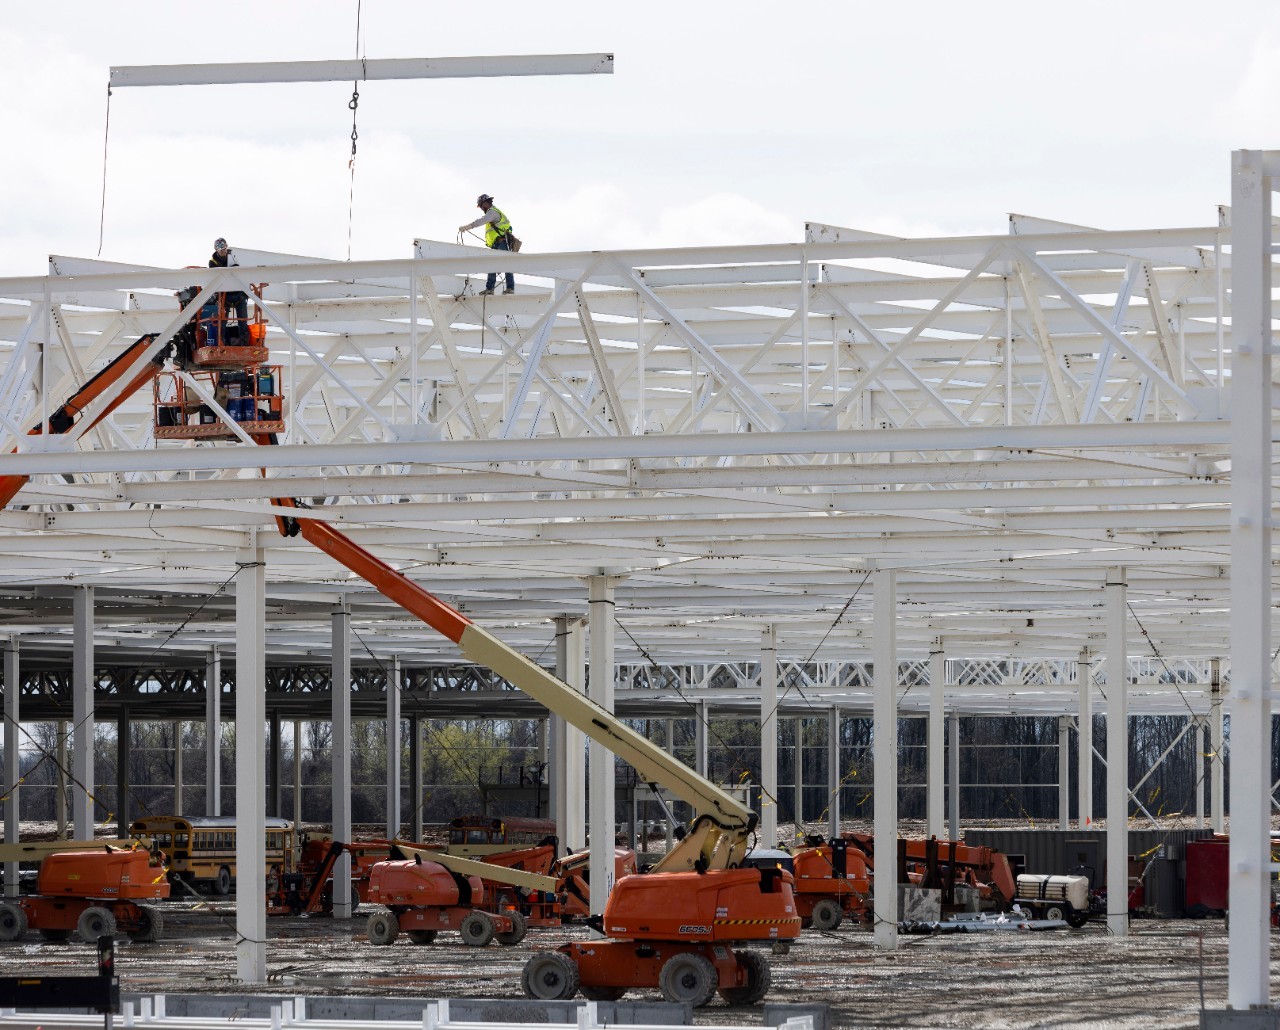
1155 977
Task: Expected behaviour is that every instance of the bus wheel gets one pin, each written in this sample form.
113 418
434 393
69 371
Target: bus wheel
222 883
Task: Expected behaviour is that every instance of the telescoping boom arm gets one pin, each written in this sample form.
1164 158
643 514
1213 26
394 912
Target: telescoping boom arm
718 833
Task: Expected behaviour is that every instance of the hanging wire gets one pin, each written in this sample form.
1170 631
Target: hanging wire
106 135
354 105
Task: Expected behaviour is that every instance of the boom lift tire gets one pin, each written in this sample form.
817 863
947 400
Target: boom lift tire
383 928
550 976
13 922
222 882
689 979
476 930
150 925
759 979
95 922
421 936
519 927
827 915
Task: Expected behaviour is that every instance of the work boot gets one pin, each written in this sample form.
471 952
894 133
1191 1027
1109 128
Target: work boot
509 289
486 293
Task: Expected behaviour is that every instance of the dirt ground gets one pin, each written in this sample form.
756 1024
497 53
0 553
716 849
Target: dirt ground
1156 977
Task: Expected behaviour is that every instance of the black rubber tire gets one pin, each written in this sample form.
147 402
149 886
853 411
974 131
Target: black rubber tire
550 976
382 928
95 922
55 935
421 936
150 925
602 993
827 914
13 922
222 882
519 927
476 930
688 978
759 979
1076 918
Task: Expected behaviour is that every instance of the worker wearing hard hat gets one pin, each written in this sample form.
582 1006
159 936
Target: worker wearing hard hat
235 300
497 236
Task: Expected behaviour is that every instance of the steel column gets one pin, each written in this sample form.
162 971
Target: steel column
602 824
213 732
1064 772
124 731
568 743
12 767
83 723
393 749
769 736
1084 730
953 752
251 773
341 757
1117 756
178 769
834 774
936 781
885 763
1251 560
1217 742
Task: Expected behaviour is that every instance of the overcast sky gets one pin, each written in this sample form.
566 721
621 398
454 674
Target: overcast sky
724 122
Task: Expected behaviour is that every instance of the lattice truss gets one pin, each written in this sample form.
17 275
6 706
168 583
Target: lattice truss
739 434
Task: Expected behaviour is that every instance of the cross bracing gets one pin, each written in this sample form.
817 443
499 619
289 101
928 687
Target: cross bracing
740 434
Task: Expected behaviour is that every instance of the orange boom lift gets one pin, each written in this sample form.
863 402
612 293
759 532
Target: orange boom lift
680 928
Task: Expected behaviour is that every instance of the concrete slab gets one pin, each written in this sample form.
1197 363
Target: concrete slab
1240 1019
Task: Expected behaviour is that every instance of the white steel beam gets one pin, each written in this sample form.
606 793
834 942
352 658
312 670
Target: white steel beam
361 70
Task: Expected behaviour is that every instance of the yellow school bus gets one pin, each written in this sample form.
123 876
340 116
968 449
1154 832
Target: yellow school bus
201 850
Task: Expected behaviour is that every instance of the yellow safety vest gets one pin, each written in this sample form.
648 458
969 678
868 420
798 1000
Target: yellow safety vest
492 230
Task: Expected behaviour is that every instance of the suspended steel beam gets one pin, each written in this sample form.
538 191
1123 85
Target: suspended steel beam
344 71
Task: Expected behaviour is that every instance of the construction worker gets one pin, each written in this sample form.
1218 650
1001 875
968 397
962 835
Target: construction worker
497 236
236 300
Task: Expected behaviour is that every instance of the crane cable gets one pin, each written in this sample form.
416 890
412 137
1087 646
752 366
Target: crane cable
354 105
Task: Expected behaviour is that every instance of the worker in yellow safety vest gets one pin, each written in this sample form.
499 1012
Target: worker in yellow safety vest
497 236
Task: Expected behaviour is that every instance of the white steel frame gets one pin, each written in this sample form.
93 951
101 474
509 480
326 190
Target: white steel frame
737 436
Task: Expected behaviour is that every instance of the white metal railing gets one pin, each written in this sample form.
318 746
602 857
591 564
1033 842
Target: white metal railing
292 1012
